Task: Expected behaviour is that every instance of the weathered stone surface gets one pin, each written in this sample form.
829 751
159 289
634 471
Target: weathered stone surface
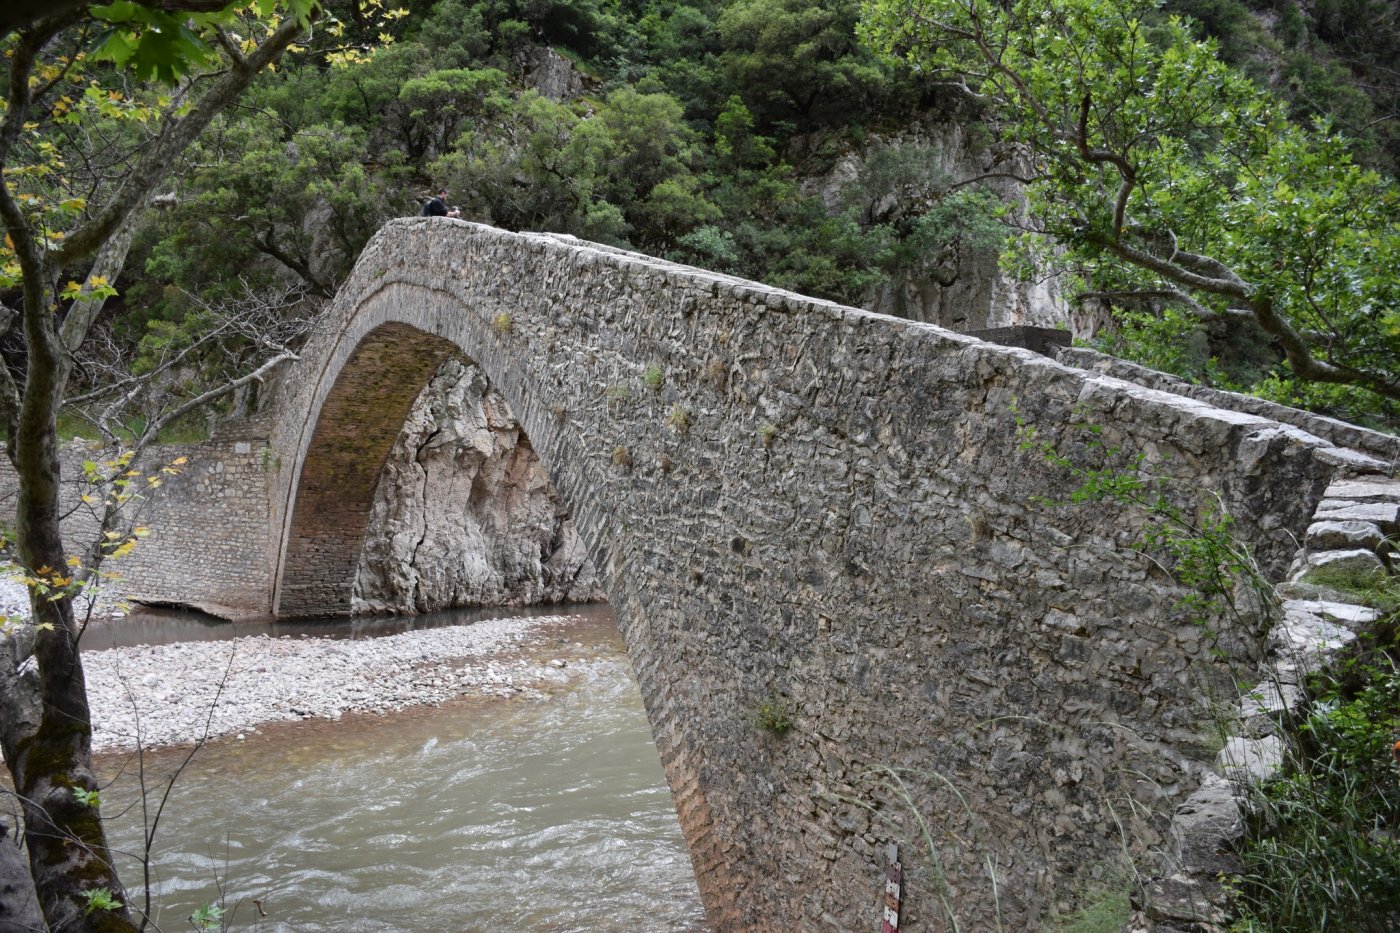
464 513
1348 614
1384 514
1335 535
1208 825
1203 834
1304 639
1269 705
550 73
1313 629
1357 559
211 542
1358 449
1364 489
1251 760
1182 903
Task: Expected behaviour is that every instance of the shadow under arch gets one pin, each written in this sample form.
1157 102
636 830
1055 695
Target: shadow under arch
359 420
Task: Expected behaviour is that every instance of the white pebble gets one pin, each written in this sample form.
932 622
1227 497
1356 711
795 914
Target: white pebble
280 679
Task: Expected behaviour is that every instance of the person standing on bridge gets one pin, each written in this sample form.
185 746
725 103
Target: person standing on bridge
437 206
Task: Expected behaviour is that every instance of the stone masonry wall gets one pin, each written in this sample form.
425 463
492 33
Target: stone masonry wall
807 513
209 534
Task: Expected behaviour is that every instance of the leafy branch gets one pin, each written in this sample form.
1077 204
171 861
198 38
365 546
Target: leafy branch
1196 547
1160 171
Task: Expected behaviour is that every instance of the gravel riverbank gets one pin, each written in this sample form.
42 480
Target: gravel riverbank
175 694
172 694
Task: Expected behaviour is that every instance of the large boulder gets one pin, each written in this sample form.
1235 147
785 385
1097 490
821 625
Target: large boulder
465 514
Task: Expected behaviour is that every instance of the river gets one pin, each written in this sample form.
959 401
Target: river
537 813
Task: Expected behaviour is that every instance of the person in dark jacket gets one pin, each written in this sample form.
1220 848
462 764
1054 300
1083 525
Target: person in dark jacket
436 207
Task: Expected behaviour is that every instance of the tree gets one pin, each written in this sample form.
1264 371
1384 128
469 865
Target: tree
74 225
1165 176
800 61
256 190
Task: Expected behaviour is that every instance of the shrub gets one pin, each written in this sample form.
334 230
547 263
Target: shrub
775 715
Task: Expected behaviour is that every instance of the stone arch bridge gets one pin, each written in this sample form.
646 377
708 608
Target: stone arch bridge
813 511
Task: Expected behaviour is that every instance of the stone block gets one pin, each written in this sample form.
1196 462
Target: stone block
1207 825
1368 488
1184 903
1347 614
1384 514
1306 640
1269 705
1250 761
1341 536
1353 560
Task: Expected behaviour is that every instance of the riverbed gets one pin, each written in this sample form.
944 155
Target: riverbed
536 804
185 691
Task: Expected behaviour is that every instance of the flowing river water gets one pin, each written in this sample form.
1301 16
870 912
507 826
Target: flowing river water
535 813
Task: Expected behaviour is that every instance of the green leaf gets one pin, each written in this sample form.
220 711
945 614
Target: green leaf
207 917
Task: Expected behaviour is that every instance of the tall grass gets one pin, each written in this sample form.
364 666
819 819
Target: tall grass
1322 846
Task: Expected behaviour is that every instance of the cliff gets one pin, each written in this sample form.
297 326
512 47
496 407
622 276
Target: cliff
465 514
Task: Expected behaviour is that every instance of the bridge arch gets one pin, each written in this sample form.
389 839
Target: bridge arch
808 509
375 373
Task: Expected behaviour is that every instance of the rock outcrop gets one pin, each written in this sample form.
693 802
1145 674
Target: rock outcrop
968 292
550 73
465 515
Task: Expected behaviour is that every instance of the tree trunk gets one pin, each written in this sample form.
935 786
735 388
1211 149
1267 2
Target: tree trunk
19 908
45 730
49 747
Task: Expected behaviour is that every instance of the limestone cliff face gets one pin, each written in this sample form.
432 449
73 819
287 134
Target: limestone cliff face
967 292
550 73
465 515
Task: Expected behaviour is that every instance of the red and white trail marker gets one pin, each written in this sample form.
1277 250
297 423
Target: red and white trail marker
894 877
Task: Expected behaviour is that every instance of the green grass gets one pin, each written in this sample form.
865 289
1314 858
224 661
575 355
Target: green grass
1322 844
1105 910
192 429
1370 587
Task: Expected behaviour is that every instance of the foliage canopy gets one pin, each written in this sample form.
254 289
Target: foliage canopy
1167 177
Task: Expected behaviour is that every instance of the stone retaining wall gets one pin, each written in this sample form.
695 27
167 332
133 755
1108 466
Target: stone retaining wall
1355 525
209 535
